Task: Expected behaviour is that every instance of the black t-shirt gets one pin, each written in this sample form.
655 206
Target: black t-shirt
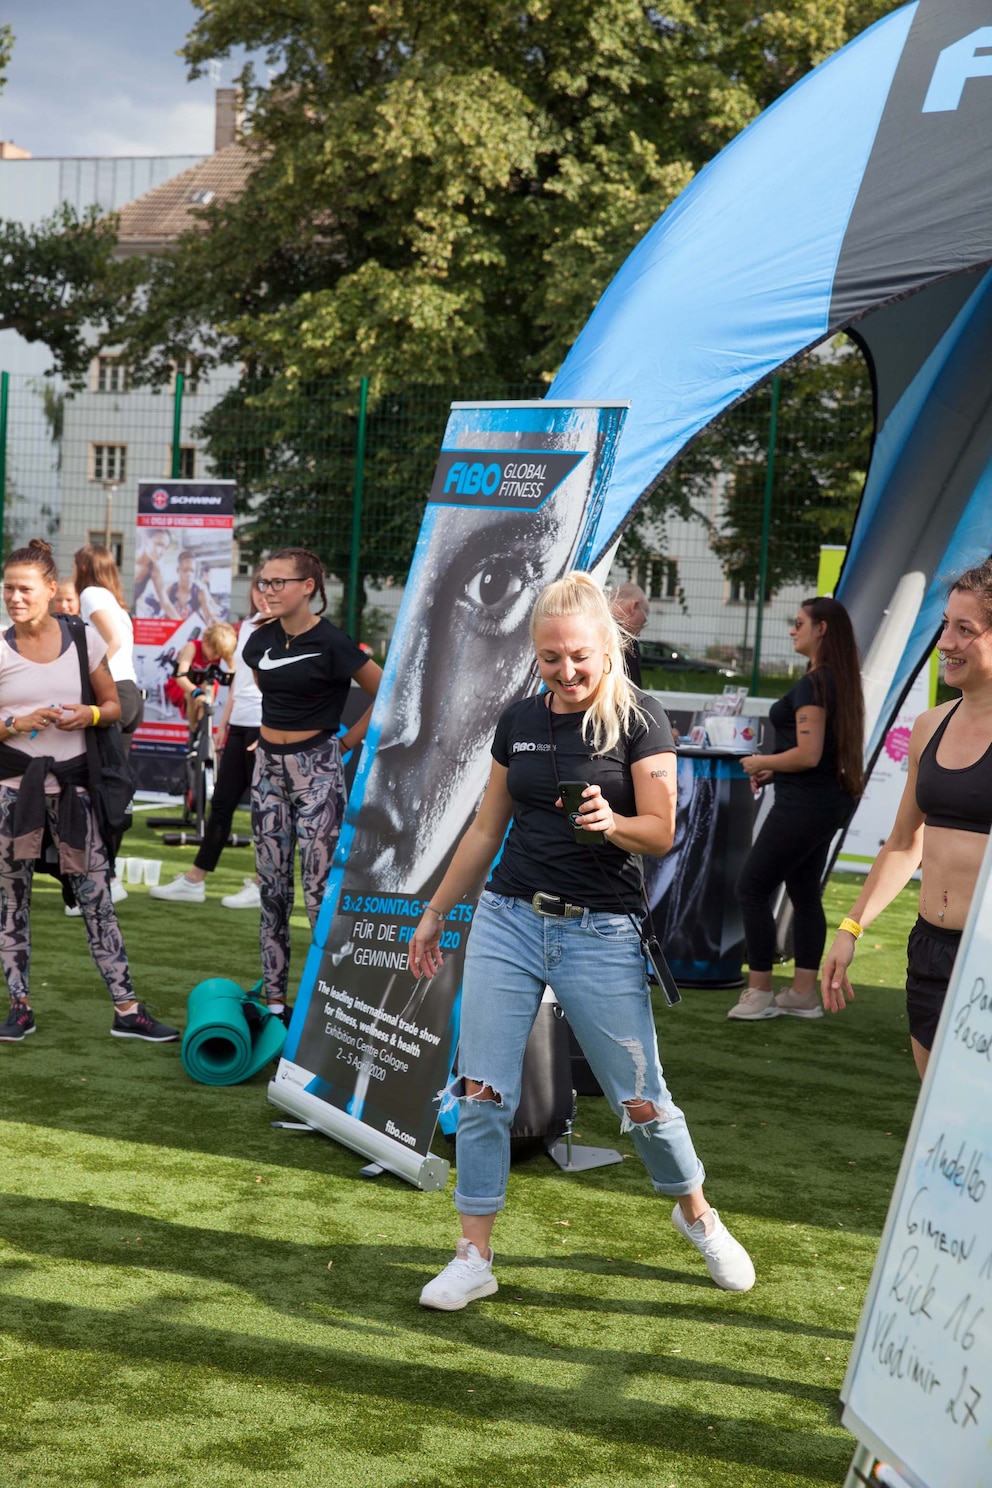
303 679
821 780
540 853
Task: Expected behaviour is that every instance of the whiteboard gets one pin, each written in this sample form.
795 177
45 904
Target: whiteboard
918 1389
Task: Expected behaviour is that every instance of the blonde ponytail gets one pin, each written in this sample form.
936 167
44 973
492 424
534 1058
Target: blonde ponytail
614 710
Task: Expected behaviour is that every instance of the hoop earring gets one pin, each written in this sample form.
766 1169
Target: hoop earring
535 670
609 666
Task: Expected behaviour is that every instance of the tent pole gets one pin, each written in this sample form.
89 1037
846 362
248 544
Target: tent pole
766 523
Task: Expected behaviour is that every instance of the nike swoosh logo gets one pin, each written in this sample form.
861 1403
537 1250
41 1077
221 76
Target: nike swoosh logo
269 662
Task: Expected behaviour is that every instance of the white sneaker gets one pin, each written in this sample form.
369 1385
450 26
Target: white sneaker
727 1261
73 911
463 1280
246 898
798 1004
753 1005
117 891
181 890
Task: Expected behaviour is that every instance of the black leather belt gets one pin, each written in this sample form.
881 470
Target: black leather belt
555 906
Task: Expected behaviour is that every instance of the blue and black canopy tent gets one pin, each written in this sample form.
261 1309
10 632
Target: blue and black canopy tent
861 201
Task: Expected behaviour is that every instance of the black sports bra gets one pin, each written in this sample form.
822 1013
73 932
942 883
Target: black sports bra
961 799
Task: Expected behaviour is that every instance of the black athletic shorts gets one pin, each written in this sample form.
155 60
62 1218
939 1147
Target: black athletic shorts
931 950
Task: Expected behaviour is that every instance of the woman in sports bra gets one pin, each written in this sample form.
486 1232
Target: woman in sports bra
942 822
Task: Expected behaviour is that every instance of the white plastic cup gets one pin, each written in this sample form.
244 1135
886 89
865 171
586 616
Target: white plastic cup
153 871
133 870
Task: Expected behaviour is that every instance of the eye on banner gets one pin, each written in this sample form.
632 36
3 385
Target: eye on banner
514 504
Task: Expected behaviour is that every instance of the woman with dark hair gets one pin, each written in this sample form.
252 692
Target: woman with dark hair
818 772
557 911
44 786
237 738
304 667
942 824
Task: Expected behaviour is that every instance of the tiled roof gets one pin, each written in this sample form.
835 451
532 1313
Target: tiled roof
163 213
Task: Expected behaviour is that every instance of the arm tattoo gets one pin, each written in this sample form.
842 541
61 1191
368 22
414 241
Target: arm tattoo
104 666
659 774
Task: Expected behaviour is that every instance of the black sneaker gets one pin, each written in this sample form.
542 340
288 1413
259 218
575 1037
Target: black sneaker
286 1016
141 1025
20 1022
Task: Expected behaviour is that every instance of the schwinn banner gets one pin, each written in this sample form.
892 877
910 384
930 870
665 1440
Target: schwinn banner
514 504
182 584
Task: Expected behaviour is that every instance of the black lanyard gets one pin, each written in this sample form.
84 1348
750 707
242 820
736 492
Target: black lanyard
650 944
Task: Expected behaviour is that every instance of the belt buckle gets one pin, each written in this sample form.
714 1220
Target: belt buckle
539 904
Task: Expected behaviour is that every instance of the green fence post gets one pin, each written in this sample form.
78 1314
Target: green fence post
356 511
4 397
766 524
177 420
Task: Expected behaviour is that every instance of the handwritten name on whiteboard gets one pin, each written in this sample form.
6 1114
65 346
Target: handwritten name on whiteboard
919 1384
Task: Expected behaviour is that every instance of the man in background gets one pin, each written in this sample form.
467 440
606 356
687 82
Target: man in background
631 608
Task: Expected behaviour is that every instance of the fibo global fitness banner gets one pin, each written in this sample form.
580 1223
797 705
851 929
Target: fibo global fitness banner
514 503
182 584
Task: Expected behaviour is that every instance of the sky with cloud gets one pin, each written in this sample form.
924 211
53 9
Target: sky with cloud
101 77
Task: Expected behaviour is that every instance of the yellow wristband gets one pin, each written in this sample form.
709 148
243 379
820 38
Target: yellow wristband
96 714
851 926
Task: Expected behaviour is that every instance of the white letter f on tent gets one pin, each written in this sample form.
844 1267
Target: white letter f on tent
955 65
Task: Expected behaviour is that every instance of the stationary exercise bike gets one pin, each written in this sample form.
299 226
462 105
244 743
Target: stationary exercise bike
200 768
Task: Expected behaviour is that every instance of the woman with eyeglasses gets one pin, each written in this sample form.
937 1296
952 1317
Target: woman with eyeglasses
942 823
304 668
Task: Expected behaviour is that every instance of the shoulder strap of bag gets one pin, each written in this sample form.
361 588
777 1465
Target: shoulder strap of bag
77 629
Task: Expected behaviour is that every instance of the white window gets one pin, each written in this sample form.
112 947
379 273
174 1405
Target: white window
111 375
658 577
191 376
187 462
108 462
742 591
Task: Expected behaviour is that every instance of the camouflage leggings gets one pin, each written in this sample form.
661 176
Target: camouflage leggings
92 891
297 795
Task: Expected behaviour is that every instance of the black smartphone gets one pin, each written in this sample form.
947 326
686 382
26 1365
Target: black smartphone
660 972
571 800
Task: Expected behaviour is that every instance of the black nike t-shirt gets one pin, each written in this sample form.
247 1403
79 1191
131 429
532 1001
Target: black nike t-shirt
304 679
819 784
540 854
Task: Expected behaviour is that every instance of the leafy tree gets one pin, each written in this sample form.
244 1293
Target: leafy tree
439 193
449 188
60 284
6 47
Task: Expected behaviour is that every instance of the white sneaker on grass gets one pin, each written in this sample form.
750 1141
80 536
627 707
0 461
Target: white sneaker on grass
753 1004
181 891
727 1261
463 1280
798 1004
246 898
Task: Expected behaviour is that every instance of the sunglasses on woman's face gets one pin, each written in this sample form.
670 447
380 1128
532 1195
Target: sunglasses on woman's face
276 585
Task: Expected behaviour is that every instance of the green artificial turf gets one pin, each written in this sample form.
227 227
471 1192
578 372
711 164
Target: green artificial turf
190 1297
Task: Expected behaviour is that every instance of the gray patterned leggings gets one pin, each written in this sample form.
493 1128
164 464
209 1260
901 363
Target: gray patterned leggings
297 795
92 891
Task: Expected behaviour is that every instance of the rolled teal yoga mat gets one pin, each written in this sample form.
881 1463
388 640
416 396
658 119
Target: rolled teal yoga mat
221 1046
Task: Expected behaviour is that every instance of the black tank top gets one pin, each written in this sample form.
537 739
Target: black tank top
961 799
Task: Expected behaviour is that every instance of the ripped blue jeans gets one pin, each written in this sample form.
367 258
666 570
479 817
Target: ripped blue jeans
595 968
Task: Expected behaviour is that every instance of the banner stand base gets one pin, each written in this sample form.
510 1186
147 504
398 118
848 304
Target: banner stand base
572 1157
422 1170
371 1170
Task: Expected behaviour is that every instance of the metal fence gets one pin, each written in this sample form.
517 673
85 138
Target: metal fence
726 546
